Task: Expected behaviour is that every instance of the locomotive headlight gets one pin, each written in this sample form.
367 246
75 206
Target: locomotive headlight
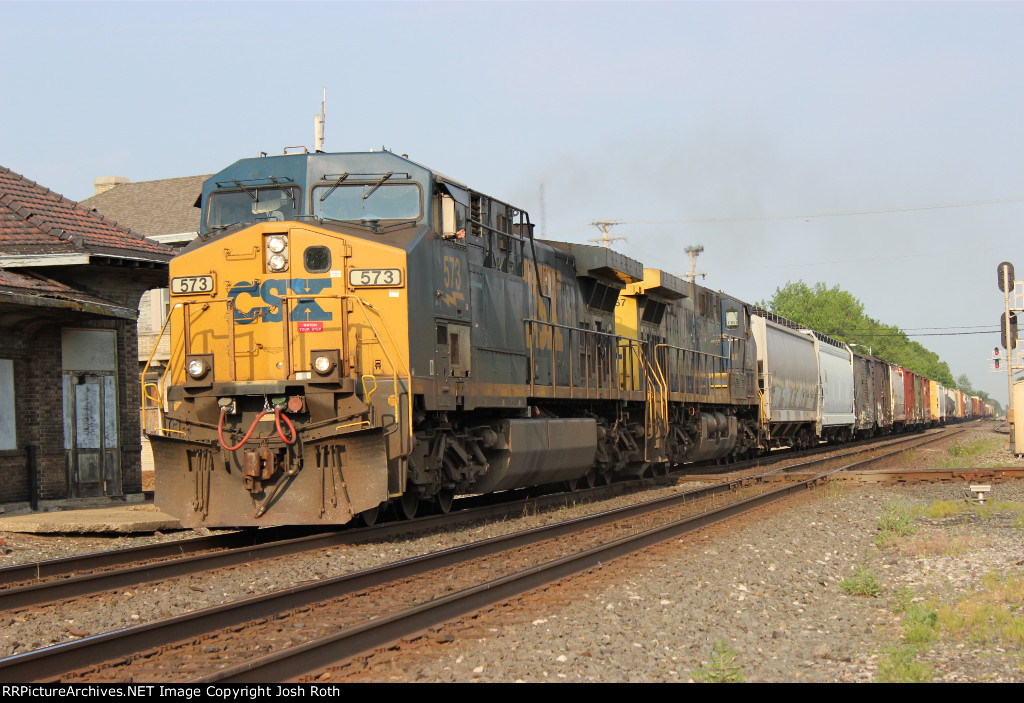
276 249
323 365
197 368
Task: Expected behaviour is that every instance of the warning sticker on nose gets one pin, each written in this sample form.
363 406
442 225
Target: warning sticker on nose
317 326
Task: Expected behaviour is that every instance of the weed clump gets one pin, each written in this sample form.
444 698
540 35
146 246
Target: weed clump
862 582
899 666
897 520
721 668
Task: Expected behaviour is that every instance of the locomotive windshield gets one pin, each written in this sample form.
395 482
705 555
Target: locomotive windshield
367 202
251 205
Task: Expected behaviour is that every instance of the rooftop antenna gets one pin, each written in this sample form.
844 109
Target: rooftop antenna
605 226
318 125
694 252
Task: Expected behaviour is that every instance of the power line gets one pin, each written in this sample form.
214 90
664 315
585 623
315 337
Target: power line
846 213
920 334
853 330
953 326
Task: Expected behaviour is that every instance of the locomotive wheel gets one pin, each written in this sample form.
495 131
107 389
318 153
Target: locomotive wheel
590 479
407 505
369 517
571 485
445 497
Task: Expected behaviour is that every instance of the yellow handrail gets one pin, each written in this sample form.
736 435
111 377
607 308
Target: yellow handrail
149 361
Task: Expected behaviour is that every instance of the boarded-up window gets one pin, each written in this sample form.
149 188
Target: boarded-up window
8 436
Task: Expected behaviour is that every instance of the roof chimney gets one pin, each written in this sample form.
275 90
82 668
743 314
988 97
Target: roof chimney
105 183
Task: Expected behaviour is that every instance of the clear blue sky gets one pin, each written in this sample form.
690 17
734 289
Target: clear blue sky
655 114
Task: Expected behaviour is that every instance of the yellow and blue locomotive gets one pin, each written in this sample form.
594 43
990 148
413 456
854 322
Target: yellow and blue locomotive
352 331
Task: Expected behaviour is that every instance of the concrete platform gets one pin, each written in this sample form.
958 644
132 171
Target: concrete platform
121 519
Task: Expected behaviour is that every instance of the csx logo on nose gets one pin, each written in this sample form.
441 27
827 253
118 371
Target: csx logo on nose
270 292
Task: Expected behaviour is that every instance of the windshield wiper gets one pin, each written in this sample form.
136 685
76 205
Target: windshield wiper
336 184
250 193
361 223
403 223
378 185
289 194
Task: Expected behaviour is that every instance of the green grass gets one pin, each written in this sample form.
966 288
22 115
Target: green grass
920 624
945 508
862 582
896 521
899 666
721 668
901 600
992 615
962 455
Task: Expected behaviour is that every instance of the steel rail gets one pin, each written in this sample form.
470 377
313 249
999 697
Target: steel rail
57 659
317 654
241 547
120 557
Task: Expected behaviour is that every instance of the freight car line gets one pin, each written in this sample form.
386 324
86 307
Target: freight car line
57 659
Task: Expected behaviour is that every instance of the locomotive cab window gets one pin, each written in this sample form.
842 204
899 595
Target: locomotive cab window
367 202
318 259
252 205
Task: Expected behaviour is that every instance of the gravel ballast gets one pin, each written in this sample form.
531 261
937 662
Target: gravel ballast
765 587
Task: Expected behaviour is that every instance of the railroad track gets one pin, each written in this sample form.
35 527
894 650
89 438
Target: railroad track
232 640
37 583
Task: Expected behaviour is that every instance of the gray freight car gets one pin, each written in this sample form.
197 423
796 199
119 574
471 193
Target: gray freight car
787 373
836 416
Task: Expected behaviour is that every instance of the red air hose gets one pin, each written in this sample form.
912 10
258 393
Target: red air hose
220 430
278 416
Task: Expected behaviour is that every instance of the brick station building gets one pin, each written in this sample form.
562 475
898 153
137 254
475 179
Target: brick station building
70 284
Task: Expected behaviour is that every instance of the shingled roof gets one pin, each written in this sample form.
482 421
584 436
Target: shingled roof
36 221
42 231
152 207
37 291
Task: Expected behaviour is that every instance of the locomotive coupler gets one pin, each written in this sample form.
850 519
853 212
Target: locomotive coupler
259 465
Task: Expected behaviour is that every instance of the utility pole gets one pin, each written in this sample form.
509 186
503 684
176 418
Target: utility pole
694 252
605 226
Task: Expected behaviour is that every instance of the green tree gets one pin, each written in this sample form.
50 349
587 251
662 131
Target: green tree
964 384
838 314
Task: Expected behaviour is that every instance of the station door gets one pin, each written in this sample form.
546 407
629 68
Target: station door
91 422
